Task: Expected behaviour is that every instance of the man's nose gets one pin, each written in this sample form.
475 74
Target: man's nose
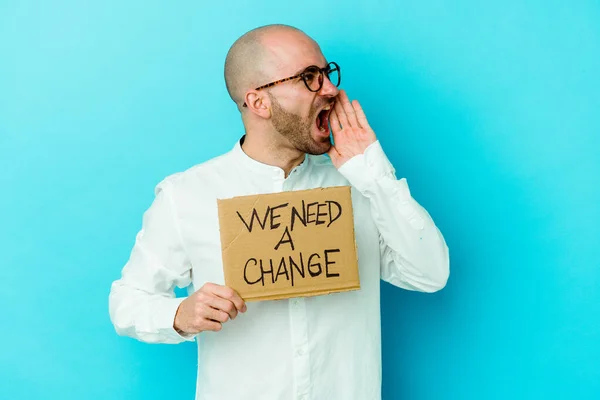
328 89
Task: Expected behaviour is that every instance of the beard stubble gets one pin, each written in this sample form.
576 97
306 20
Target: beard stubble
298 130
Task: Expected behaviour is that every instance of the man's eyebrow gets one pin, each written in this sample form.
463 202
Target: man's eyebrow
303 69
300 71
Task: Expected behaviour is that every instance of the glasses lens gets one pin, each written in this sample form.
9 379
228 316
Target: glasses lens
333 73
313 78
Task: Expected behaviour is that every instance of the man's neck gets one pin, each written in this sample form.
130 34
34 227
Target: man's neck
275 154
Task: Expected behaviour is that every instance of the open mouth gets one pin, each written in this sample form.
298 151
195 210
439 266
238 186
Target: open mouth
322 120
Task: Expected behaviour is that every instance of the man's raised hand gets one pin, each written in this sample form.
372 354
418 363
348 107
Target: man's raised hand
351 131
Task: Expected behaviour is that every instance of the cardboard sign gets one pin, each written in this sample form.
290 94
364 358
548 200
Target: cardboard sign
289 244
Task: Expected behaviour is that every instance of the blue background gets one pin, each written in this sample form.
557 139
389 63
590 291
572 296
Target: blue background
490 109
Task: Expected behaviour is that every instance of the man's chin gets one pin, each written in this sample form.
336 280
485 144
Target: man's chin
320 146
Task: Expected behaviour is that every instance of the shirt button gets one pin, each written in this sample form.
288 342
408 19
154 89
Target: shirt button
299 352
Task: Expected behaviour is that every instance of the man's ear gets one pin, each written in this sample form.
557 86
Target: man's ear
258 103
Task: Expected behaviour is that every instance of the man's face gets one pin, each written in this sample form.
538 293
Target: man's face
307 129
298 114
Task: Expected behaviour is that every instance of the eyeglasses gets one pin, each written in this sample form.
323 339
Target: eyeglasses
312 77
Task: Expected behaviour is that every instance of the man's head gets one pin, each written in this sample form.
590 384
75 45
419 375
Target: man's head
286 114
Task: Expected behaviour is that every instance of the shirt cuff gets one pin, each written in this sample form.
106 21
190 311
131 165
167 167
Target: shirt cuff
364 170
165 318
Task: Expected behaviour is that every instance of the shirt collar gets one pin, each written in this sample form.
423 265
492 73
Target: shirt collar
250 164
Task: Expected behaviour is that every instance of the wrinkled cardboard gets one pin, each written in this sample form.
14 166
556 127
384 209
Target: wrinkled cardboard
270 229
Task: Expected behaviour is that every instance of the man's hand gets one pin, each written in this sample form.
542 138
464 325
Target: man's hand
351 131
207 309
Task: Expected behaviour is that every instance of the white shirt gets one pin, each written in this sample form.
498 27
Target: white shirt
323 347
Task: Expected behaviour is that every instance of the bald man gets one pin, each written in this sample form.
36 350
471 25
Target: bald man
323 347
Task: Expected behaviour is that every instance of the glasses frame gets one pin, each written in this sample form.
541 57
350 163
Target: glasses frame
326 70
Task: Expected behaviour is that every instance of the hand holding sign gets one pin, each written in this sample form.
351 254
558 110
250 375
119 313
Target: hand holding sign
351 131
207 309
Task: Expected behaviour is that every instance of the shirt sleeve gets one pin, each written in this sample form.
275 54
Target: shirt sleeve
414 255
142 303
